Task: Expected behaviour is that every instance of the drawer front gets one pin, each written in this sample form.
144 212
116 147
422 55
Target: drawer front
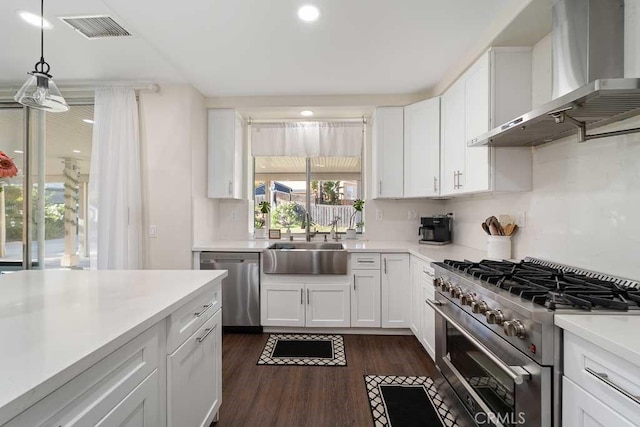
582 409
139 409
92 395
191 316
193 377
365 261
609 378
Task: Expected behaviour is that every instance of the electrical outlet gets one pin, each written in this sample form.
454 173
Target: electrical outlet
412 215
153 231
234 215
521 219
379 214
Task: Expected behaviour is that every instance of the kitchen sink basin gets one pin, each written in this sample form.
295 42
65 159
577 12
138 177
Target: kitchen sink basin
305 258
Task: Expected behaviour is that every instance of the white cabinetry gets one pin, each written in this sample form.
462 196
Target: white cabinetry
428 331
582 409
494 90
225 154
422 149
387 153
422 315
311 305
365 290
396 291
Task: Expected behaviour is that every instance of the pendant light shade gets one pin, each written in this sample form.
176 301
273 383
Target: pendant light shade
40 91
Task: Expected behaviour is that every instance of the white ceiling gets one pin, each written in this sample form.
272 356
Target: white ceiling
256 47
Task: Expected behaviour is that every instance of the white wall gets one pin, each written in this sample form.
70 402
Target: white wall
173 130
584 205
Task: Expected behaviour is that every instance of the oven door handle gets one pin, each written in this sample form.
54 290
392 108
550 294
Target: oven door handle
517 373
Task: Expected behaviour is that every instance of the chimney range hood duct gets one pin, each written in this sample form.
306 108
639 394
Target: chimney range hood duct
589 91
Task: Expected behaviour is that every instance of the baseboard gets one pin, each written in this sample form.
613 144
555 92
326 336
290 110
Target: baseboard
347 331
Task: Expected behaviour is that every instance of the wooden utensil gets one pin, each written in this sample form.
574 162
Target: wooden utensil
508 230
485 227
498 227
487 222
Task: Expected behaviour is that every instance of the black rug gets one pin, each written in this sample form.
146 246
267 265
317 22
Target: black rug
304 350
406 402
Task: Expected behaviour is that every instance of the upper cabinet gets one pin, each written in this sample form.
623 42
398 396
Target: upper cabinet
226 154
387 153
494 90
422 149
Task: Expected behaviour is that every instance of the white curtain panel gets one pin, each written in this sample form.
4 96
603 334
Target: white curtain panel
115 228
307 139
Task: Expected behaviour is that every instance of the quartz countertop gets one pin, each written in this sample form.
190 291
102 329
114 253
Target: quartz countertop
617 334
54 324
429 253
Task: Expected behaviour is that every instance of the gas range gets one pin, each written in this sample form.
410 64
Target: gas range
496 341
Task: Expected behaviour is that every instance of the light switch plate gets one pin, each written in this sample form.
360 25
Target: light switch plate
378 214
521 219
412 215
153 231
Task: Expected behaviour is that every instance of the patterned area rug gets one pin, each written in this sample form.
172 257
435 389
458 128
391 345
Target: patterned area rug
406 401
304 350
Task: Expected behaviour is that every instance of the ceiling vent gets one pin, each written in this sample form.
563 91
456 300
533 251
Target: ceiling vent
96 27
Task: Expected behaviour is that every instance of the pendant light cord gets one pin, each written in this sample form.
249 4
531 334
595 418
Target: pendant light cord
42 31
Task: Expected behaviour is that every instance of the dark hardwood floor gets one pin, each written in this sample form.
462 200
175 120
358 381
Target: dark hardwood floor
299 396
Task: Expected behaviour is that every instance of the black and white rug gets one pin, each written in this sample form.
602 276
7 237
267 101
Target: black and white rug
406 401
304 350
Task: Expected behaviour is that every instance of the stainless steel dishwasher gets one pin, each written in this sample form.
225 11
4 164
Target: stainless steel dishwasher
240 289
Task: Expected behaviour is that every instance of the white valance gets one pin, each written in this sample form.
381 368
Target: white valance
307 139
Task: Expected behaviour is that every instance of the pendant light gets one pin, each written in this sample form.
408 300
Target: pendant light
40 91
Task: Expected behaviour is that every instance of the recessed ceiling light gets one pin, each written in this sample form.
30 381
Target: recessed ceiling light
35 20
18 151
308 13
77 151
306 113
88 121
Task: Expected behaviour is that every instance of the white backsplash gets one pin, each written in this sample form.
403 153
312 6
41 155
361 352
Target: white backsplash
583 209
395 223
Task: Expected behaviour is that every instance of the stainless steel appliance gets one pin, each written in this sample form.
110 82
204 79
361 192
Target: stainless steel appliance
496 343
435 230
305 258
240 289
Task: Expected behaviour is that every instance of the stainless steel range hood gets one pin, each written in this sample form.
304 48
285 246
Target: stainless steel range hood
589 91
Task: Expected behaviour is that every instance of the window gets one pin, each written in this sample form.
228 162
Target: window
335 184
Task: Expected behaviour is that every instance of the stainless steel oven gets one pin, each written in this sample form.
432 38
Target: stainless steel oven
497 383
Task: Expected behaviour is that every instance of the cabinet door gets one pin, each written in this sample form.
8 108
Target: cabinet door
475 176
225 151
428 329
139 409
415 272
422 148
194 377
396 291
453 138
365 299
581 409
328 305
282 305
387 152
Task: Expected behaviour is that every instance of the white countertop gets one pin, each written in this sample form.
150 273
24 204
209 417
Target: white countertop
429 253
54 324
615 333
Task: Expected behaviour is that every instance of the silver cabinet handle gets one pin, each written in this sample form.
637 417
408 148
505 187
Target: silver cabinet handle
455 179
385 266
605 379
459 175
380 187
365 261
435 184
517 373
307 296
207 332
301 296
230 187
205 308
354 282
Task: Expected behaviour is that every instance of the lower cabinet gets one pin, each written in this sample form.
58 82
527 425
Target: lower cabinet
428 325
365 299
305 305
422 315
140 407
194 383
396 291
581 409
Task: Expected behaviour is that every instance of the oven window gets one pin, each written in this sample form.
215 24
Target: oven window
495 388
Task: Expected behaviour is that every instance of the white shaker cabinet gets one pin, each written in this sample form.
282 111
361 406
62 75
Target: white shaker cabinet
422 149
365 299
396 291
428 326
387 153
582 409
225 154
494 90
328 305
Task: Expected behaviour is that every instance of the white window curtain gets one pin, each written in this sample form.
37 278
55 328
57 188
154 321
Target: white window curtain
307 139
115 228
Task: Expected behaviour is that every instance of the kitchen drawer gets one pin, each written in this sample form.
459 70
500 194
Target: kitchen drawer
365 261
95 393
581 409
191 316
609 378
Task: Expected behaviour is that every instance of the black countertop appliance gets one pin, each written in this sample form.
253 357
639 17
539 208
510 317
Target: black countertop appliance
435 230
